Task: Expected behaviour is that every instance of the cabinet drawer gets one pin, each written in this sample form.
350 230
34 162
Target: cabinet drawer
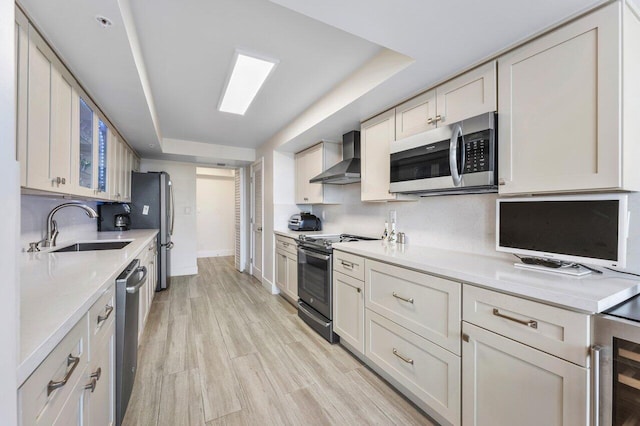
38 404
557 331
286 244
428 371
102 314
427 305
349 264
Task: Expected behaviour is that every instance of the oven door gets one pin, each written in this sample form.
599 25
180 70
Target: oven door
616 371
314 280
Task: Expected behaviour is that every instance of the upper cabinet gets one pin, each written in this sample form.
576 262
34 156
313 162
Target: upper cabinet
470 94
310 163
564 121
63 142
48 101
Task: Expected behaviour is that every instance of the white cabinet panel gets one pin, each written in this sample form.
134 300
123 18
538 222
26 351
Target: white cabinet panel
348 310
560 123
310 163
416 115
507 383
22 77
426 305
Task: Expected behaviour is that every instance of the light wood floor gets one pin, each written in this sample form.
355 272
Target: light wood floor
220 350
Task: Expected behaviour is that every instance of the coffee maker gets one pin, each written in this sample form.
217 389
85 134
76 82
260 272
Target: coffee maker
114 217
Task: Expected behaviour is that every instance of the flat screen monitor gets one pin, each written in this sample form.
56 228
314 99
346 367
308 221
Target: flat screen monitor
582 228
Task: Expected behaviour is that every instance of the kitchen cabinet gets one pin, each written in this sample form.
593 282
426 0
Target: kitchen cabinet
412 335
63 141
49 119
565 122
470 94
348 310
310 163
509 341
424 304
22 76
376 135
148 260
83 365
506 383
100 383
287 267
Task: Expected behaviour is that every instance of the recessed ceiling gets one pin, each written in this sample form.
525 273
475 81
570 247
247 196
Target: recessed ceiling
158 72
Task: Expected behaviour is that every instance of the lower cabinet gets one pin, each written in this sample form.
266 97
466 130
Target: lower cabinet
148 259
348 310
507 383
287 267
75 384
428 371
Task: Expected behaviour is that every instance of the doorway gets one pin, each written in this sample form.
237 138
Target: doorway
215 201
257 189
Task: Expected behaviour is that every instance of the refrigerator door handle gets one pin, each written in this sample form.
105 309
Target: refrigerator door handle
172 207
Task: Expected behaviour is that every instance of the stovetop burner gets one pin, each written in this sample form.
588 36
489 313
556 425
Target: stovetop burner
325 242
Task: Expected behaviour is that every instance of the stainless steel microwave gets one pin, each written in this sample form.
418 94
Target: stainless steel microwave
454 159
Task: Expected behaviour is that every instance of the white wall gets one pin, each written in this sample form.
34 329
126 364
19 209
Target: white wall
183 177
215 200
9 199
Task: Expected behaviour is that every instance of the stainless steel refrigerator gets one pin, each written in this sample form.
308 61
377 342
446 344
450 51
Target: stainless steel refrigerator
152 207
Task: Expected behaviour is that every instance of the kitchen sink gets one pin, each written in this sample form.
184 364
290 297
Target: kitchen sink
105 245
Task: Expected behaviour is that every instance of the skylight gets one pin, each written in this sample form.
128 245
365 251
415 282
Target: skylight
248 75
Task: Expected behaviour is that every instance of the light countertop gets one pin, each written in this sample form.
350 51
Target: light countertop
592 293
57 289
295 234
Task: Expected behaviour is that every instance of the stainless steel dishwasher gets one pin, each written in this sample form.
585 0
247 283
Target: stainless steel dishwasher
128 286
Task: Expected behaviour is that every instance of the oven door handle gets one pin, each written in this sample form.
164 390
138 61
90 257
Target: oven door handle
453 155
314 254
312 316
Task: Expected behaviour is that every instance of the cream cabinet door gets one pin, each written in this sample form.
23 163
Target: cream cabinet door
112 165
22 77
292 276
101 399
559 109
473 93
281 270
416 115
309 163
508 383
49 122
376 134
74 412
348 310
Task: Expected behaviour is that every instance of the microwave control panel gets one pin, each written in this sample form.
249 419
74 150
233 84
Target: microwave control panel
477 154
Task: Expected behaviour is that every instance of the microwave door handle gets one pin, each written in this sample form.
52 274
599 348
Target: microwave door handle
453 154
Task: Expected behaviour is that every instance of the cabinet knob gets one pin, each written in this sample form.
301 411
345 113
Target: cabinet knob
465 337
439 118
358 289
306 199
501 182
92 385
429 120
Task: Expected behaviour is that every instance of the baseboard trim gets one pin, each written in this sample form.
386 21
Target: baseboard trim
215 253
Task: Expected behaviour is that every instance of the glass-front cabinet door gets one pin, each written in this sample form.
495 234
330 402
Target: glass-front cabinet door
86 164
103 158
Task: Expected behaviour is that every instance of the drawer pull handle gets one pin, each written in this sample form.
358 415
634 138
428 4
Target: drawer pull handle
96 375
72 361
107 313
358 289
409 300
429 120
285 244
529 323
404 358
347 265
92 385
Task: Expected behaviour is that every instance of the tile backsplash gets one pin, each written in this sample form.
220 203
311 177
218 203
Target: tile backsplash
72 222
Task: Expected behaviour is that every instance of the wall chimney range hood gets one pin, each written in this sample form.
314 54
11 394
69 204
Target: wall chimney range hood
348 170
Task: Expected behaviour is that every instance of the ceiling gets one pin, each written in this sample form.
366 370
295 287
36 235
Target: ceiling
159 71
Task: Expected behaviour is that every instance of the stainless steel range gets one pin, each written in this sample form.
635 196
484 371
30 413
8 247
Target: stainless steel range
315 281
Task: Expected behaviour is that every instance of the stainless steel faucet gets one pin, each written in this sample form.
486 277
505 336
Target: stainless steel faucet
52 226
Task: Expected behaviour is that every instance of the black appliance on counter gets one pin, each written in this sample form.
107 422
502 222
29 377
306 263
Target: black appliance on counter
315 281
304 222
114 217
151 207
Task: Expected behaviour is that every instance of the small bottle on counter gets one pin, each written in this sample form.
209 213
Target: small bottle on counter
385 234
392 234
